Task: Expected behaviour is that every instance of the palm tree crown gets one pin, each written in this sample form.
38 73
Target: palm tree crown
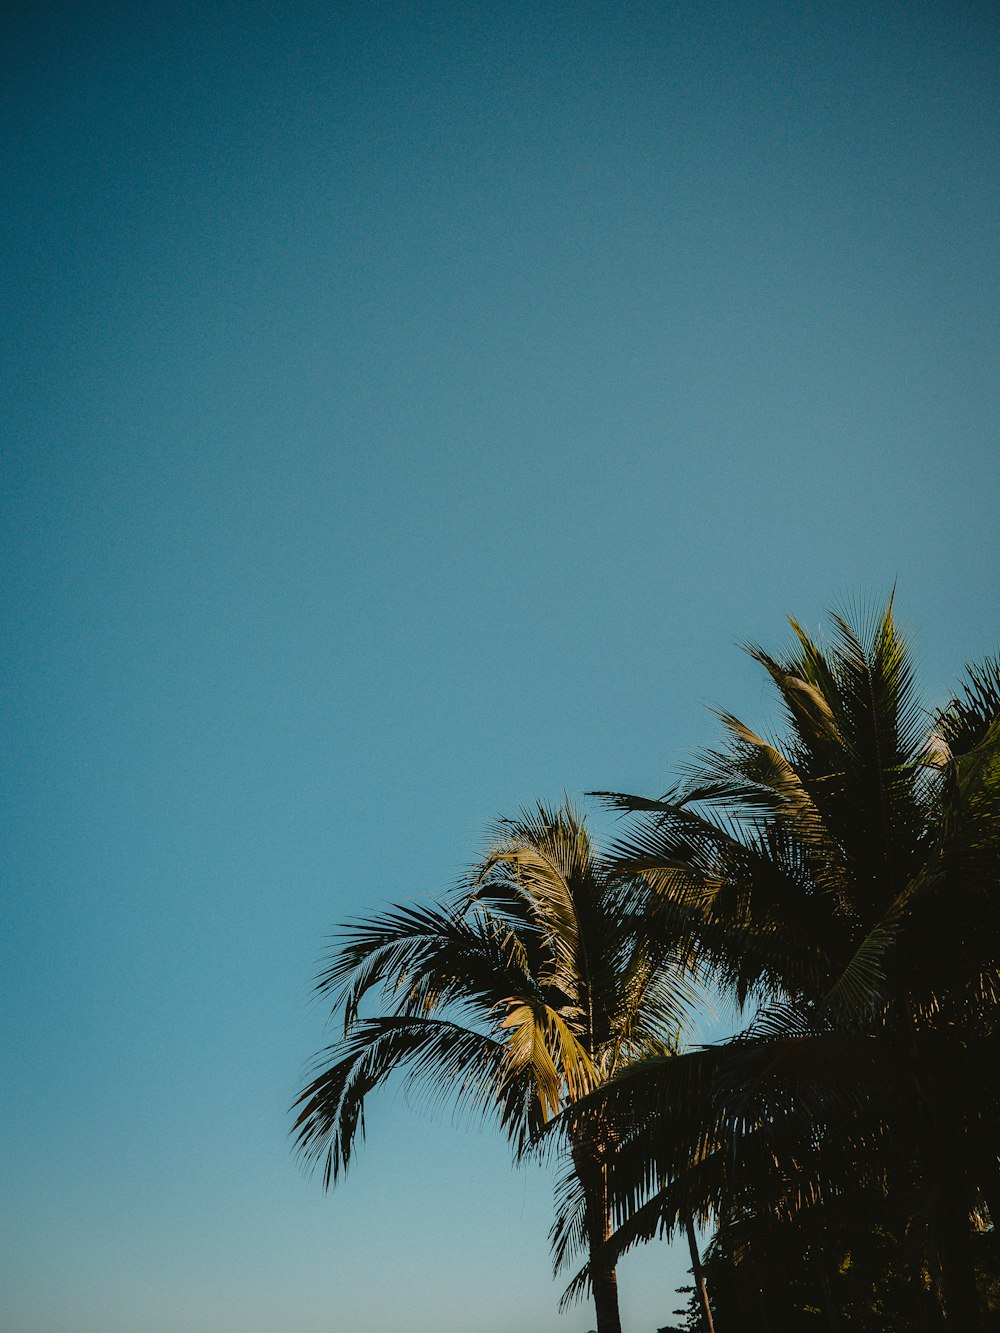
845 876
517 995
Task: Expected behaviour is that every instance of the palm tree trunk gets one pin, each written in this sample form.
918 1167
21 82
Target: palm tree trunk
699 1275
603 1278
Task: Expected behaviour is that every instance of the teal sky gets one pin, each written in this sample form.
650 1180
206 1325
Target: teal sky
407 409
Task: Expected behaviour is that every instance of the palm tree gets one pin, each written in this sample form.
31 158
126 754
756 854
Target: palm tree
517 995
846 879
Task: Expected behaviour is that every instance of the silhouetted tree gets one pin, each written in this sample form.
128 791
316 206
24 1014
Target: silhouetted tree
522 992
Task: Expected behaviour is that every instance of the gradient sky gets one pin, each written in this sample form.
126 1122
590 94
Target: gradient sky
407 410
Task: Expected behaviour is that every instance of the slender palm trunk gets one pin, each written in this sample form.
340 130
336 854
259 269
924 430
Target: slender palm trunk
699 1276
603 1278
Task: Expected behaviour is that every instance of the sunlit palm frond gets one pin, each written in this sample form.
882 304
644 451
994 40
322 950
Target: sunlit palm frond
422 955
539 1042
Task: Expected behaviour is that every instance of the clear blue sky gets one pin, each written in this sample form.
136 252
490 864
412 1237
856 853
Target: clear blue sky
406 410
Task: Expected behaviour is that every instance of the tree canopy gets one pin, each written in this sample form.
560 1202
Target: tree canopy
839 879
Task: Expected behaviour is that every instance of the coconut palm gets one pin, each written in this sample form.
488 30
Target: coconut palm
517 995
845 878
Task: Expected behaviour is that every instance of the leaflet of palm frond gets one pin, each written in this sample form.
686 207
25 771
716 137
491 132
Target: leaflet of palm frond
661 998
561 909
568 1233
972 799
628 803
420 955
811 710
547 854
448 1060
860 991
948 945
671 1113
861 734
965 720
569 901
576 1290
540 1043
709 1188
749 904
877 672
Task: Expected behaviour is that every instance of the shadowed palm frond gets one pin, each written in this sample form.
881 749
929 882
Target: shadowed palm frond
846 874
965 721
450 1060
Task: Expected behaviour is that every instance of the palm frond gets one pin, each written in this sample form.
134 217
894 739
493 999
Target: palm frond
971 712
422 956
451 1061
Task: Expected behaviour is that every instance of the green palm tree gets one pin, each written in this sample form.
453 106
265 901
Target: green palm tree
844 877
518 995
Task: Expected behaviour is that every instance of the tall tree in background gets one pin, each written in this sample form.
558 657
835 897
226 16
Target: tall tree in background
846 878
518 995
